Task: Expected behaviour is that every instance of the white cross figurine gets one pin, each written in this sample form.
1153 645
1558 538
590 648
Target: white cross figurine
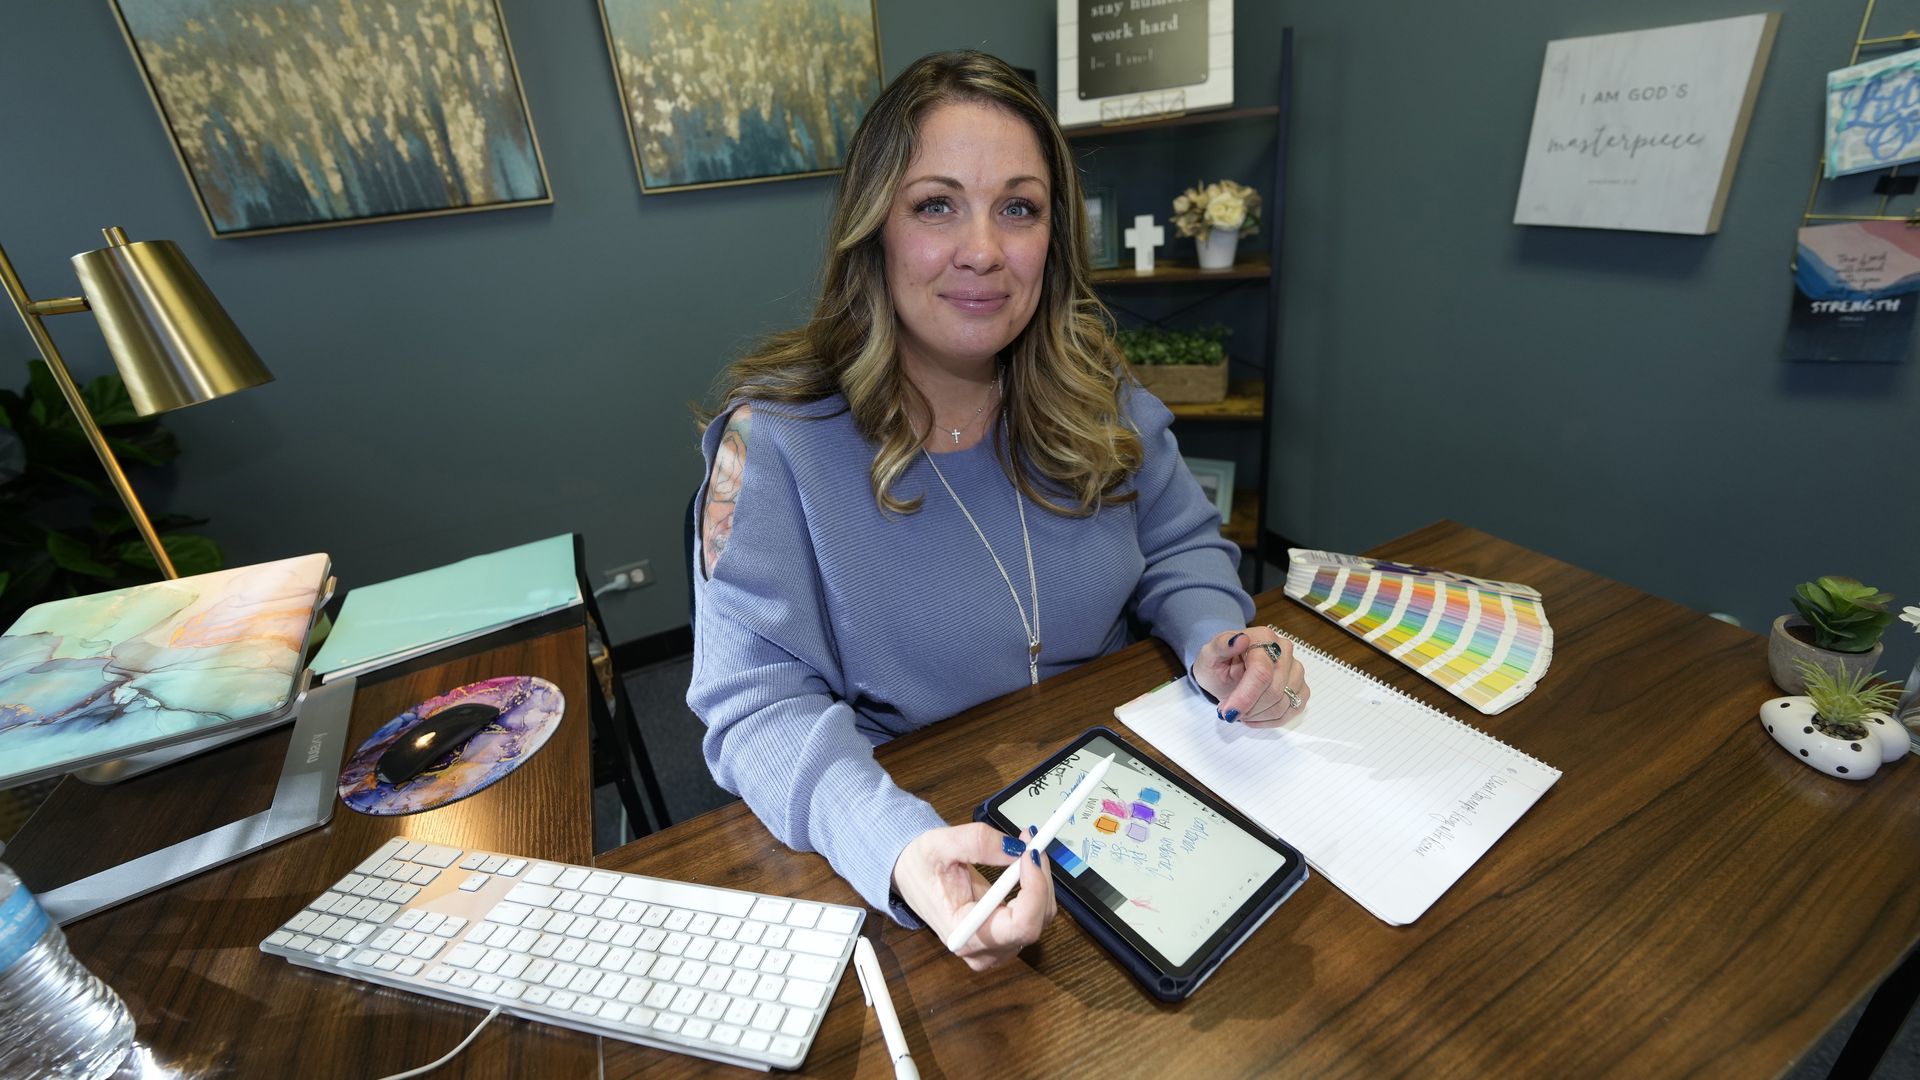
1143 238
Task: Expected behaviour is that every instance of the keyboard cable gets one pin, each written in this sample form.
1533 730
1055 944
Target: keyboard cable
451 1054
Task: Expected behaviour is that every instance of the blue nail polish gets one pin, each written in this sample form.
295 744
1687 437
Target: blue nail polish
1033 830
1036 856
1013 846
1235 638
1232 716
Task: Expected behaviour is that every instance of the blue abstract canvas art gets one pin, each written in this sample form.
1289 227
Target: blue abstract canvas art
292 115
733 91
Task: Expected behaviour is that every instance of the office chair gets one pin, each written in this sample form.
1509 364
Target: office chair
615 726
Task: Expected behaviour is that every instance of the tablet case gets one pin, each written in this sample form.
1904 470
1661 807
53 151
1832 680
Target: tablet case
1156 982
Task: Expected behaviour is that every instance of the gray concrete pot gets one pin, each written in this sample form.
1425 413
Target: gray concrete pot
1783 649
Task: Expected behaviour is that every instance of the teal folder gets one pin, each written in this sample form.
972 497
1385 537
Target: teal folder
391 621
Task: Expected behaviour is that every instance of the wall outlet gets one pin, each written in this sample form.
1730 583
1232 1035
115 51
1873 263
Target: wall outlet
638 574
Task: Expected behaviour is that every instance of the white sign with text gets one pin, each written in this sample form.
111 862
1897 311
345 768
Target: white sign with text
1642 130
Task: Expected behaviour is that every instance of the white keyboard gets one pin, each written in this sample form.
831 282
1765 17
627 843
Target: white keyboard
733 976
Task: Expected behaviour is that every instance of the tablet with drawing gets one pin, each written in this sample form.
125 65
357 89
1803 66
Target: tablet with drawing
1169 879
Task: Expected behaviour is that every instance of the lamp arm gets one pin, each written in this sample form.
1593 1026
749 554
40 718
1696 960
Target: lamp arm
30 313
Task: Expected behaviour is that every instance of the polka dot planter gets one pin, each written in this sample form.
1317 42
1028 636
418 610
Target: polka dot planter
1790 721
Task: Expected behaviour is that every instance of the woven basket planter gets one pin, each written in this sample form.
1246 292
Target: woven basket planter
1183 383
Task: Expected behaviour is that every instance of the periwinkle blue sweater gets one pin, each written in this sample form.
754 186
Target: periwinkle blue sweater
830 626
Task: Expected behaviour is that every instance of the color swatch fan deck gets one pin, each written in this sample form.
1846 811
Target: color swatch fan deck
1485 642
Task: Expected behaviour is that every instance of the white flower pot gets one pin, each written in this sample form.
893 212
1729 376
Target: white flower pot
1790 721
1217 248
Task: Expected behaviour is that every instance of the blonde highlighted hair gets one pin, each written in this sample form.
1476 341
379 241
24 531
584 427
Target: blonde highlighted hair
1063 381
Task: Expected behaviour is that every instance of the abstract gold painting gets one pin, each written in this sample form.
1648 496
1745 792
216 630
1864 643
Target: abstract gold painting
292 115
738 91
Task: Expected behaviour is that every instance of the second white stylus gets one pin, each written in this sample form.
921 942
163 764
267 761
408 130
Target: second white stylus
983 909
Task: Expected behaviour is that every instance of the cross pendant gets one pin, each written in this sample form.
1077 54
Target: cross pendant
955 432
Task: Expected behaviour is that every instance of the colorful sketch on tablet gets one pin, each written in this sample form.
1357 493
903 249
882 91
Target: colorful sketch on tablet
1488 643
1146 853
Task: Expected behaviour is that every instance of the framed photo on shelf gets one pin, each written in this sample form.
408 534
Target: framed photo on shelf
718 92
1216 480
309 116
1103 233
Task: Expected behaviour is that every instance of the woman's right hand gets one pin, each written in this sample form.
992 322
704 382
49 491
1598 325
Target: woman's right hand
935 875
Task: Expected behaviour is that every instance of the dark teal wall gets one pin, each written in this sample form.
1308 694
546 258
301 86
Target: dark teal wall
1615 399
451 385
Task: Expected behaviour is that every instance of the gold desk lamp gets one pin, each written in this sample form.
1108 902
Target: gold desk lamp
172 341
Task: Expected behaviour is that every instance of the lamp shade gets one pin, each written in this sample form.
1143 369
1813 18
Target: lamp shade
173 342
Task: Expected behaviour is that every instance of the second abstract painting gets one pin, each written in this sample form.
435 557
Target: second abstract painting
737 91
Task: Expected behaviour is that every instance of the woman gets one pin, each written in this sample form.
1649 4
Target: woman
872 560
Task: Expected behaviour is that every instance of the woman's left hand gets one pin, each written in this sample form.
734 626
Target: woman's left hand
1254 674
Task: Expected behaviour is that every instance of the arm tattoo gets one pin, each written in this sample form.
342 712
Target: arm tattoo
723 487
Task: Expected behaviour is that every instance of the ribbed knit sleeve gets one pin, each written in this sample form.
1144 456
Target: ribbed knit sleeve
767 683
1190 589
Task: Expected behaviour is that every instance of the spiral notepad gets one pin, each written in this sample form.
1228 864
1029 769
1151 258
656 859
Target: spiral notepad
1389 799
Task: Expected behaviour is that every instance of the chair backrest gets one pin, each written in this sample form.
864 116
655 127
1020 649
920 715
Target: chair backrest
691 536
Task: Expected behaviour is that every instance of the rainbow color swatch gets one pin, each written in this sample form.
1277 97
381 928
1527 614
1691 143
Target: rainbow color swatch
1485 642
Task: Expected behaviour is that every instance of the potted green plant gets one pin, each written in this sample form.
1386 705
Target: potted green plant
1217 216
1838 628
1841 726
1178 365
63 532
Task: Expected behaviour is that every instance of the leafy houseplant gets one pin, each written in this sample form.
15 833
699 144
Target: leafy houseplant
1839 626
1845 616
1178 365
1841 725
63 530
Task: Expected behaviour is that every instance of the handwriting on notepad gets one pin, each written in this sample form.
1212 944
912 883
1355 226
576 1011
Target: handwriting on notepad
1460 817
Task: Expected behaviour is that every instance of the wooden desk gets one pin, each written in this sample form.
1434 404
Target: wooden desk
186 959
1685 900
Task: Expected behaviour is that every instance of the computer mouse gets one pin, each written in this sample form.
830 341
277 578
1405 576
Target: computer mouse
432 739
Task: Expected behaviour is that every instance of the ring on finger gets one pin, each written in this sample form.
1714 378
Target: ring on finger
1272 649
1293 698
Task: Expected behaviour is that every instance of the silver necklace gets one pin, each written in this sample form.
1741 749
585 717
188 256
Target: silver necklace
1033 586
955 431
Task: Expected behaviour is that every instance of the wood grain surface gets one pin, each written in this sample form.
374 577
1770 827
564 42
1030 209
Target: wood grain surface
206 1002
1686 900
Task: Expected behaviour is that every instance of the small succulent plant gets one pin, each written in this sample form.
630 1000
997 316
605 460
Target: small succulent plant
1845 615
1845 700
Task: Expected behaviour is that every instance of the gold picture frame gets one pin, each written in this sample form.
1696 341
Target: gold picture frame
735 138
279 129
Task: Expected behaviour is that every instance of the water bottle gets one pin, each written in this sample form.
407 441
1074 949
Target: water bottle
56 1018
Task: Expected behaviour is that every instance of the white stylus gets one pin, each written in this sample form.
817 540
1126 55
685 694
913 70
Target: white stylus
998 891
873 986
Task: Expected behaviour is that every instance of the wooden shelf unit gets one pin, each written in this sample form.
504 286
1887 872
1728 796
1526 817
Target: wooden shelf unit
1245 407
1245 403
1128 127
1244 529
1254 266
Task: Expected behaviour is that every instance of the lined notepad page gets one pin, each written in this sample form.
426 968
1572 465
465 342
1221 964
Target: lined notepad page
1388 798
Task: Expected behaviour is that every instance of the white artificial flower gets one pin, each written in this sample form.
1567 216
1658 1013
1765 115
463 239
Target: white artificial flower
1181 204
1911 616
1226 211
